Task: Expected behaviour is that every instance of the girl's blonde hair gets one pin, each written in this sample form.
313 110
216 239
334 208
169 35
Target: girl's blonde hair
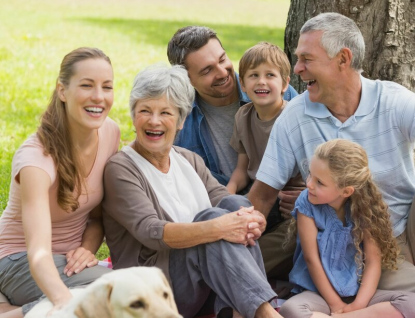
349 166
54 133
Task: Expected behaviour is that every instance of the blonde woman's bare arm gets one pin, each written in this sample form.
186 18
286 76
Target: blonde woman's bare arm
34 189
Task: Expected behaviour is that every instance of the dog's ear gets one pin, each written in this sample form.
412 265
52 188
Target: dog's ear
96 302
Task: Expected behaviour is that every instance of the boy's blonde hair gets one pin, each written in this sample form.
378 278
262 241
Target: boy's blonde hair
264 52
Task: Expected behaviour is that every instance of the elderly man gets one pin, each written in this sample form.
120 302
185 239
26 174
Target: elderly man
340 103
208 129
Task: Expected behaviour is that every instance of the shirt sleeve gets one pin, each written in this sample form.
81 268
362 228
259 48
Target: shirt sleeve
235 141
278 164
31 154
303 206
405 113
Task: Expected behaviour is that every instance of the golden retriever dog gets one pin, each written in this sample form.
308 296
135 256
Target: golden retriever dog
125 293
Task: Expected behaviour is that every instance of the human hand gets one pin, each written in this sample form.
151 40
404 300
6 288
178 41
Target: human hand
255 228
241 226
353 306
58 304
287 202
337 308
77 260
261 225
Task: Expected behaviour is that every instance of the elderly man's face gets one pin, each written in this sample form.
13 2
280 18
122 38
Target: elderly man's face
211 73
317 69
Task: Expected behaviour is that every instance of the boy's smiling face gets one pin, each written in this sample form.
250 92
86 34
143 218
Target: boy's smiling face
264 86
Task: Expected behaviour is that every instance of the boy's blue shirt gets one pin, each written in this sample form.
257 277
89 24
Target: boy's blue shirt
195 134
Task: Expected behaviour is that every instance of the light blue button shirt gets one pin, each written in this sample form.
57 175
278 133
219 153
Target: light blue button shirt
384 124
336 248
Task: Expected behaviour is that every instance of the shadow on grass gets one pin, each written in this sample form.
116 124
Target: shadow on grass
235 38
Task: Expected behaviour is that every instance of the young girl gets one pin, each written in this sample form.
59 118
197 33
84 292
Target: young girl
51 227
344 238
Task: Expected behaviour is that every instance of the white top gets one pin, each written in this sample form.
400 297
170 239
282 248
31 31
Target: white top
180 191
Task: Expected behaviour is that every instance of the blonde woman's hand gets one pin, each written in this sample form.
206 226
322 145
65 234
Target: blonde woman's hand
77 260
59 303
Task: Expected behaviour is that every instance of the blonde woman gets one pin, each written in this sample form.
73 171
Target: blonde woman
52 226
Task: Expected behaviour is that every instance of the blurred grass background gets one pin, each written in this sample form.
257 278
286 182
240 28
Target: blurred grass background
36 34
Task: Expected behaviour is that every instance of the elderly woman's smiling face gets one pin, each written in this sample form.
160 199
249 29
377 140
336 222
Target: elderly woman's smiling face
156 122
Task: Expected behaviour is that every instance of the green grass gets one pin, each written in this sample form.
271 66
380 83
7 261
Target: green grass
36 34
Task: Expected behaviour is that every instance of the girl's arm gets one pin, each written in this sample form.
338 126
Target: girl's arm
84 256
239 178
370 276
307 232
34 188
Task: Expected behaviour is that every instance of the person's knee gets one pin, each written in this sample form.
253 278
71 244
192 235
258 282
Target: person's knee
403 302
293 310
209 214
234 202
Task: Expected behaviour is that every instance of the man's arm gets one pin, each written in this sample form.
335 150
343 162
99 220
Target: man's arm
262 197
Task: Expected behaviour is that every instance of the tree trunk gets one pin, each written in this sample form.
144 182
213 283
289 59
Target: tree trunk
388 27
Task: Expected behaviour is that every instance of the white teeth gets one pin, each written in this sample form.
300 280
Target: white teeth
310 82
97 110
261 91
154 132
221 83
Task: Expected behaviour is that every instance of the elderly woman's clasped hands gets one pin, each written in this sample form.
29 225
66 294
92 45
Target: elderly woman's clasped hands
244 226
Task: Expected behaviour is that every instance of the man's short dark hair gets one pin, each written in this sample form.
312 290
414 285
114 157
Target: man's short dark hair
186 40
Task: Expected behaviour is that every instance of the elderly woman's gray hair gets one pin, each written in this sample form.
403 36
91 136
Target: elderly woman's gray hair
339 32
160 80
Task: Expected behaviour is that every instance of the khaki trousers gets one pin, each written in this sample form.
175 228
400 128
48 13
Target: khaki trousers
403 278
278 259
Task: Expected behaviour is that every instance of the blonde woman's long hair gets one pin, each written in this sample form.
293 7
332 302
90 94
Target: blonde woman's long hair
54 133
349 166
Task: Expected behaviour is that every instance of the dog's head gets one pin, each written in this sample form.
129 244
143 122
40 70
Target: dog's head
129 293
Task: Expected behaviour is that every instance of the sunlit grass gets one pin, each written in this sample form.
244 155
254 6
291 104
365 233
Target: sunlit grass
36 34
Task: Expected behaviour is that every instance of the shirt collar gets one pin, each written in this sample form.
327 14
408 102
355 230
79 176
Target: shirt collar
367 103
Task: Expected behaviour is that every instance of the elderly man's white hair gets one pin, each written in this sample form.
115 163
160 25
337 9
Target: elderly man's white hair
339 32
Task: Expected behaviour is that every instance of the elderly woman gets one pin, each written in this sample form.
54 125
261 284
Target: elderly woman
163 208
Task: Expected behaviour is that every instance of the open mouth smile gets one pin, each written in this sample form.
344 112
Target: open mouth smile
151 133
95 110
223 82
262 91
310 82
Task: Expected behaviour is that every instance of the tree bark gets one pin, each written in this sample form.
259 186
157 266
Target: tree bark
388 27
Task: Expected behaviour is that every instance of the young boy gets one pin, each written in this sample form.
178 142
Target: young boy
264 72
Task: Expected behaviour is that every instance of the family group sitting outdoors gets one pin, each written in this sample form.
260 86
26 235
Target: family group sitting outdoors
231 181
